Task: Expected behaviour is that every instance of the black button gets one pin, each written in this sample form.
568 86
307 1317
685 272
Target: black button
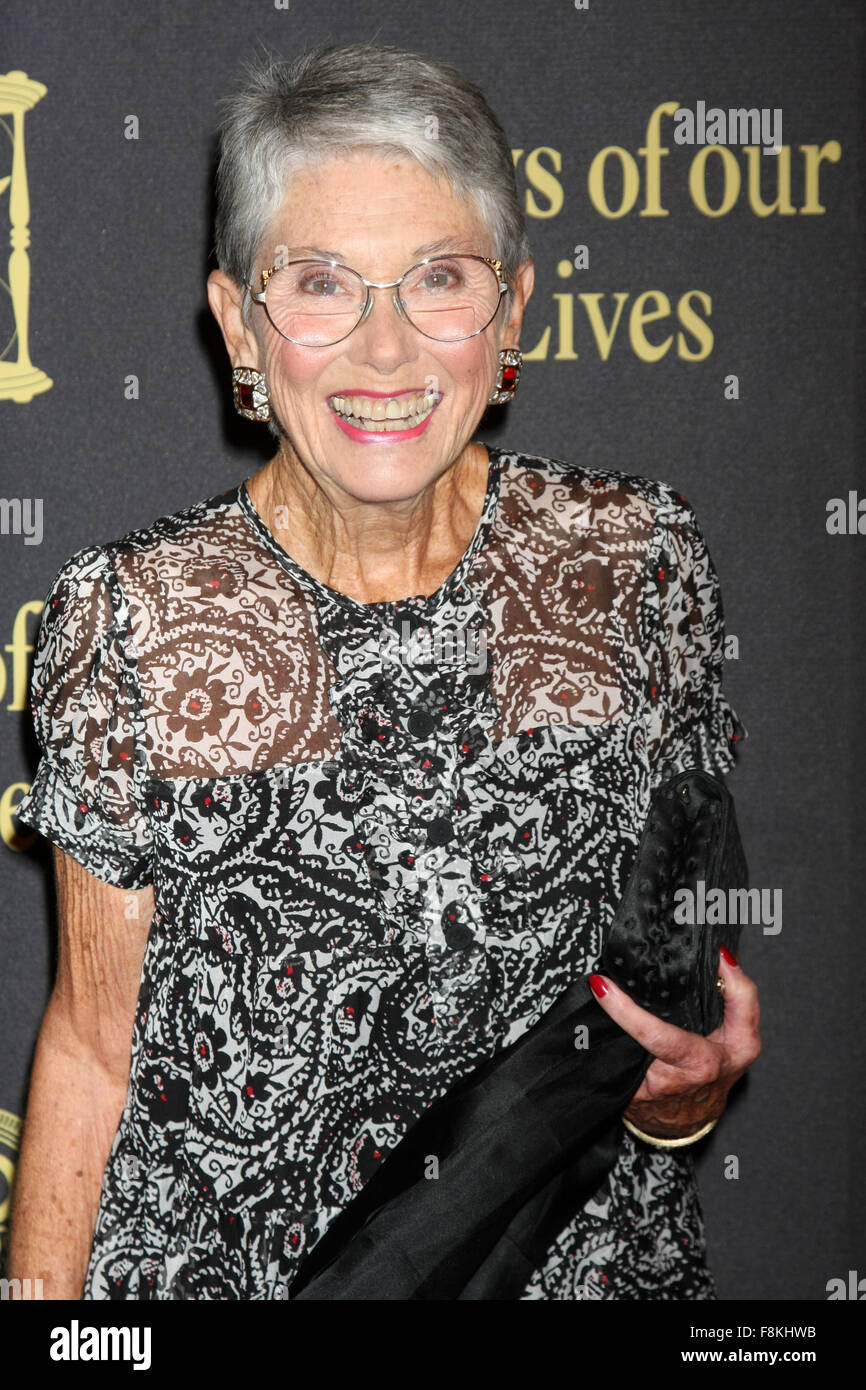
421 723
440 830
458 937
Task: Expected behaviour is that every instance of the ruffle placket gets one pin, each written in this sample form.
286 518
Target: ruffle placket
416 706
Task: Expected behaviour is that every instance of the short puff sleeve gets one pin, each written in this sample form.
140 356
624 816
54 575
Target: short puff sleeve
86 707
690 723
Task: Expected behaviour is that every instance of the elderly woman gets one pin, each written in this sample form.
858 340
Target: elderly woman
343 766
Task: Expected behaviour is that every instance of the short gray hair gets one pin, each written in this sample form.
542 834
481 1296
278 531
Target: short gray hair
333 99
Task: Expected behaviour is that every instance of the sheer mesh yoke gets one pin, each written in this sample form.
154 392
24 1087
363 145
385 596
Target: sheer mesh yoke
383 838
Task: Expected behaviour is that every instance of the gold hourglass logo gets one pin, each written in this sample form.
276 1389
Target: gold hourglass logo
19 379
10 1135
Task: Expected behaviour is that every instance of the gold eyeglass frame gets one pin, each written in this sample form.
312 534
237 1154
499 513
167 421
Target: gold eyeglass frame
261 296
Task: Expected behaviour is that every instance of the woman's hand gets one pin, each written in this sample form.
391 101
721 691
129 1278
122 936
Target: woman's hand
687 1084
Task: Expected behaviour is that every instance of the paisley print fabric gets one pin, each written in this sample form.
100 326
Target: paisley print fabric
382 839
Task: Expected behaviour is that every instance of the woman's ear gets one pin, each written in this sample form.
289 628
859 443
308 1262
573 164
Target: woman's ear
225 297
524 282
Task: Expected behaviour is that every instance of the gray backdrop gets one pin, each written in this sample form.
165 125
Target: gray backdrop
120 243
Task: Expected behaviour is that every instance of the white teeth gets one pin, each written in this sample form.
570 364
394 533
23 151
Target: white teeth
388 426
381 414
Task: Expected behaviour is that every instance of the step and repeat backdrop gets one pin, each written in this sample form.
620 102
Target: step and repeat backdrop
693 182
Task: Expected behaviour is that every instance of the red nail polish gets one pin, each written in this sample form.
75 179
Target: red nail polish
727 957
598 986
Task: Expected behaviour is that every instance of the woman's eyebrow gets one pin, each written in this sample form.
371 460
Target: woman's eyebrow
316 251
448 243
430 248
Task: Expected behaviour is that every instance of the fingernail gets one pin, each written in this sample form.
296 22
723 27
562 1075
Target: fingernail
598 986
727 957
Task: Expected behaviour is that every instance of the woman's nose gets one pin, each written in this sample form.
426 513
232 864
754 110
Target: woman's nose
384 332
395 300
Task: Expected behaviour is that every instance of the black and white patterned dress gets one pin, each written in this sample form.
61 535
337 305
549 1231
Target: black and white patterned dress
382 840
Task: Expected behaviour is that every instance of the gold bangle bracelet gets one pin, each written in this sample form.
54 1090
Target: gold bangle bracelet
668 1143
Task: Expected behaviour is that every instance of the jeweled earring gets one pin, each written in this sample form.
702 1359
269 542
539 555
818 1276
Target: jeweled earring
508 376
250 392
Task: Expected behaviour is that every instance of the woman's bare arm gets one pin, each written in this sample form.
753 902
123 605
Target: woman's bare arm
79 1079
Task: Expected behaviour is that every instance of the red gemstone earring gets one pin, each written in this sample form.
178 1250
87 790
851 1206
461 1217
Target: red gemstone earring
508 376
250 392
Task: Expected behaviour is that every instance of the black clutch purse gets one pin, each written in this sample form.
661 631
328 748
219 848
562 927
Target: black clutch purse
525 1140
662 946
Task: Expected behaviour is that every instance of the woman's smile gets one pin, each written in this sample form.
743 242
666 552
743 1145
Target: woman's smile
378 417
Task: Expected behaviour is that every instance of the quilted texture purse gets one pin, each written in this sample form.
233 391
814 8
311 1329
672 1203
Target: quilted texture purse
660 947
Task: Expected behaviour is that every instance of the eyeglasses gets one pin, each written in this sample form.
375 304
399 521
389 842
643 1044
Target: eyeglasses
316 303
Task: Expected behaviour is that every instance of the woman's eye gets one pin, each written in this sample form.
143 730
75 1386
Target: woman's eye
320 285
439 279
